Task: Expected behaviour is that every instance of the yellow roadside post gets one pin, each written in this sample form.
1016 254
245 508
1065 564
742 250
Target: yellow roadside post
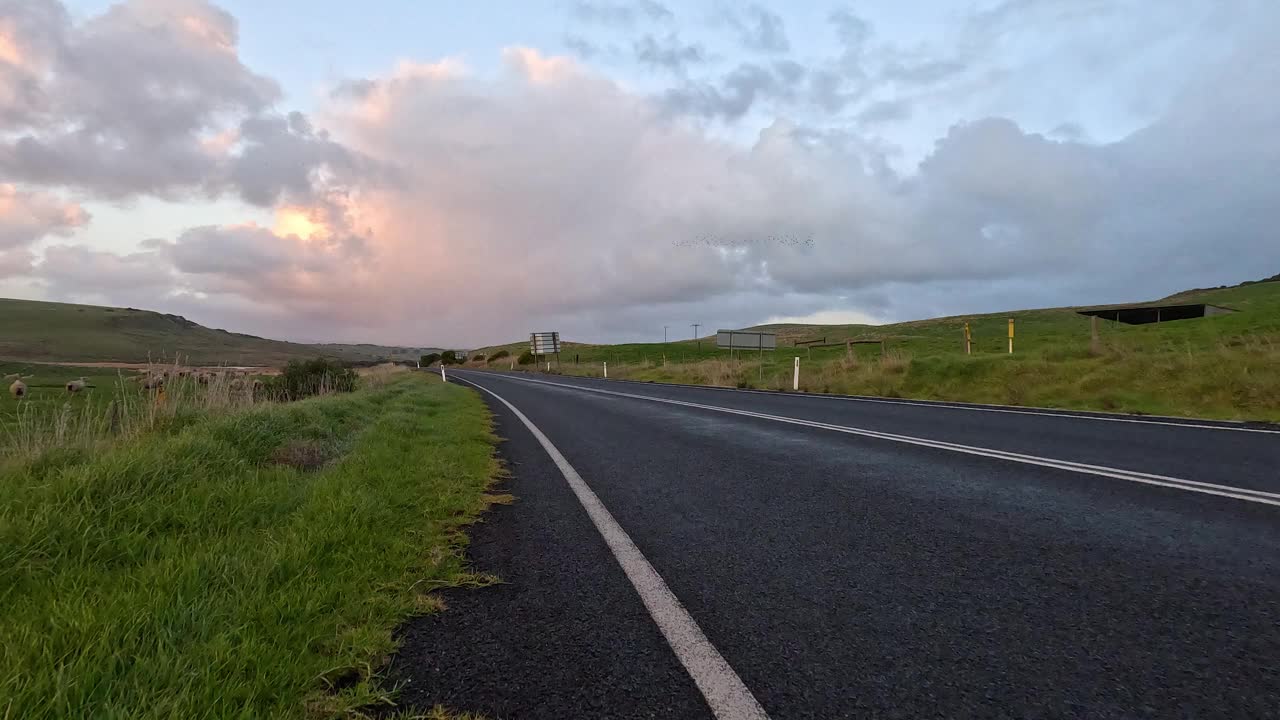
968 340
1010 336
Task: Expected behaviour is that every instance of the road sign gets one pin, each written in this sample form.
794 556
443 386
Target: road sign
746 340
544 343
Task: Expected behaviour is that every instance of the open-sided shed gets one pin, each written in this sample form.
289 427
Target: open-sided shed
1154 313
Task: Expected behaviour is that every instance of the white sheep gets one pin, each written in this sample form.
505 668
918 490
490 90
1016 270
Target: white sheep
18 389
75 386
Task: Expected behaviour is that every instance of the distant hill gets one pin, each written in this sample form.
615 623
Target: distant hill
1199 291
1259 301
67 333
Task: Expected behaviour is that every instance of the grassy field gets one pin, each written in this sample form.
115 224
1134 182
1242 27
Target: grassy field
67 334
1222 367
46 389
244 564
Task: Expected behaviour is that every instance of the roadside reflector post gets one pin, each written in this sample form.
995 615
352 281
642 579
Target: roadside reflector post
606 368
795 379
968 340
1010 336
548 366
442 377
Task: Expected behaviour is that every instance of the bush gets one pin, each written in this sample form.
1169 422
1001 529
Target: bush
499 355
304 378
478 357
429 358
526 358
448 357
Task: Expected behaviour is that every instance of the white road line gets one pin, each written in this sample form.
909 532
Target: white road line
1237 493
724 691
973 408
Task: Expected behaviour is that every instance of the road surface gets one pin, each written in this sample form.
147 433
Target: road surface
703 553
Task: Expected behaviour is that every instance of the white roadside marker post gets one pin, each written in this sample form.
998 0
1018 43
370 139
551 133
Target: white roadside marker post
606 369
795 380
442 377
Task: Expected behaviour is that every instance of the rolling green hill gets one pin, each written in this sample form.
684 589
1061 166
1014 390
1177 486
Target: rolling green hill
1225 366
68 334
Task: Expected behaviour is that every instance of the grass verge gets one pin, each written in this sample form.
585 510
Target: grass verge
204 573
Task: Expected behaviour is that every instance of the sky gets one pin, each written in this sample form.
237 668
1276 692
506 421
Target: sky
461 174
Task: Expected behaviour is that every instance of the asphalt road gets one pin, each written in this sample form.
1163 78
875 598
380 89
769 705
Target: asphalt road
860 559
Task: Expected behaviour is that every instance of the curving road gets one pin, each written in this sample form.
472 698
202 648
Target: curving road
693 552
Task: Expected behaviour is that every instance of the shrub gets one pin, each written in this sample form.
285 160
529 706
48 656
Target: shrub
479 357
526 358
304 378
499 355
448 357
429 358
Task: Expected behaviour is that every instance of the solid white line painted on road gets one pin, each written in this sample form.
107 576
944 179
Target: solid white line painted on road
1009 409
724 691
1258 496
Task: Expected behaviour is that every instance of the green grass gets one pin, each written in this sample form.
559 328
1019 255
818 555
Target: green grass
1221 367
46 389
246 565
67 333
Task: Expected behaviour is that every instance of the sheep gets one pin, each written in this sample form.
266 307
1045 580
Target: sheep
153 382
12 376
75 386
18 389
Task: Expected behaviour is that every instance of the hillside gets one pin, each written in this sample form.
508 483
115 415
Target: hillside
1224 366
65 333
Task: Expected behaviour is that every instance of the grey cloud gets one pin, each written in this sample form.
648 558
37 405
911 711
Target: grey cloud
737 92
760 29
885 111
922 71
852 32
581 46
118 104
995 217
246 252
280 158
619 14
785 83
151 98
668 53
76 271
27 216
16 262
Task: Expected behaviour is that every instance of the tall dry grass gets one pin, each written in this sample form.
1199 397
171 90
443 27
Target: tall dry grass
379 375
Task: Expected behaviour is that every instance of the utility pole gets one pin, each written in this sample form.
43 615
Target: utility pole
664 334
695 327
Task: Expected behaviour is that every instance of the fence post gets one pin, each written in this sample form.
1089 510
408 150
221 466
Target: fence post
795 380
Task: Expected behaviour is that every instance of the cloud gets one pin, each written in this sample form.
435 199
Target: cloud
28 216
668 53
759 29
433 204
619 14
76 271
119 103
148 98
581 46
